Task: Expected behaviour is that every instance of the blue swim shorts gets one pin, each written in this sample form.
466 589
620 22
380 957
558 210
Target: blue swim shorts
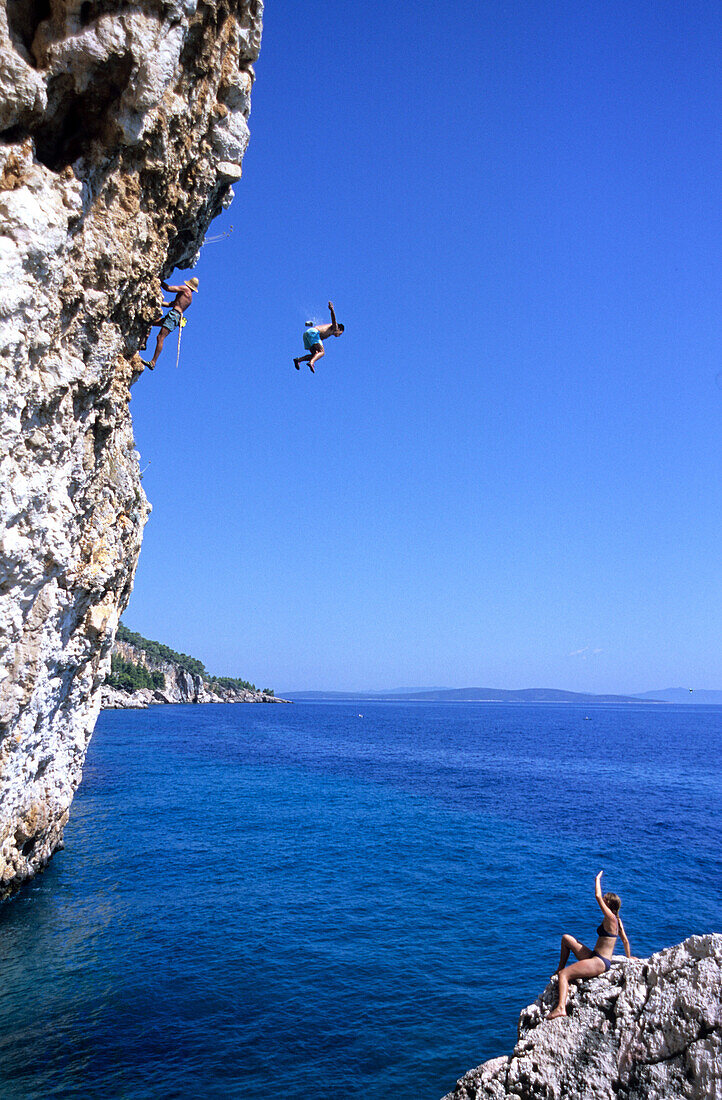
172 319
311 338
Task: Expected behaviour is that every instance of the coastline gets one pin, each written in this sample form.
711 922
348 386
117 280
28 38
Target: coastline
116 699
151 674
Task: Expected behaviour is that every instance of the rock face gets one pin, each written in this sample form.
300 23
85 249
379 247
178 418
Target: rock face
194 690
122 128
650 1029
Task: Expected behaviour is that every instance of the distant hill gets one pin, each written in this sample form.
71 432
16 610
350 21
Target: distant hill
682 695
465 695
498 695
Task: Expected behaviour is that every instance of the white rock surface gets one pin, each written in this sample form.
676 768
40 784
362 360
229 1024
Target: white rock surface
116 119
650 1029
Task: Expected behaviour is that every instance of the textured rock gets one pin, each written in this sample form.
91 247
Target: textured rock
116 699
651 1029
123 126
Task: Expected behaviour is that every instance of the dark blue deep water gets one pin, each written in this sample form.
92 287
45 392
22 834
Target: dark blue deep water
342 900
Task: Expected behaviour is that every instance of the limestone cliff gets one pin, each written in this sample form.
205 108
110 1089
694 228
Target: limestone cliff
180 685
650 1029
122 127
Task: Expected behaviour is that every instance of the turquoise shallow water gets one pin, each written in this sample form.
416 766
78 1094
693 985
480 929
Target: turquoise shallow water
301 900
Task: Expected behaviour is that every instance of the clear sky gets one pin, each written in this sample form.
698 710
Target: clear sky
506 472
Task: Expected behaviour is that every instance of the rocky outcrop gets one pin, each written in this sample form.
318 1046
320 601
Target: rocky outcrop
650 1029
122 128
180 686
116 699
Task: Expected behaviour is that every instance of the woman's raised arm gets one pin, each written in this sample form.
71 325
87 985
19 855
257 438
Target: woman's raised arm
600 900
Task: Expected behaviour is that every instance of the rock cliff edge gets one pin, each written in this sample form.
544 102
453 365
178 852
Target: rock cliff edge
122 127
179 684
651 1029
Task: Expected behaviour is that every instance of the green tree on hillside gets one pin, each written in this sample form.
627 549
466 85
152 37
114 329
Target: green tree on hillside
159 652
132 676
232 683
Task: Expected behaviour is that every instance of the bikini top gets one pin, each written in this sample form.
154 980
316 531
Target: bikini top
609 935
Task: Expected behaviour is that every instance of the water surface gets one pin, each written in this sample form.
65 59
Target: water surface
352 899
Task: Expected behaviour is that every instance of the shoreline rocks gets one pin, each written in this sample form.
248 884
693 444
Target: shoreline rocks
112 698
650 1029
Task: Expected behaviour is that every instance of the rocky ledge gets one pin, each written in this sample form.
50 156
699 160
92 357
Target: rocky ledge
191 690
650 1029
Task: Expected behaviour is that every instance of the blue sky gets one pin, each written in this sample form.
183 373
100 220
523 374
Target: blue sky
506 473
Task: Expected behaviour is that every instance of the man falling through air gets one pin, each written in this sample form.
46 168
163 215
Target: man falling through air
174 316
313 339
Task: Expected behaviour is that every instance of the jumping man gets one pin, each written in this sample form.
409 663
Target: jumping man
313 339
171 321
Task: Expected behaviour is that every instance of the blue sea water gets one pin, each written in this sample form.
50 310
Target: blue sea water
342 900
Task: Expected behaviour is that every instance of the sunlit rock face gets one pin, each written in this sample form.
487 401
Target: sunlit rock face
122 128
650 1029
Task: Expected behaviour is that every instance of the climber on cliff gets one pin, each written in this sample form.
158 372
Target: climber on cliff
591 963
174 316
313 339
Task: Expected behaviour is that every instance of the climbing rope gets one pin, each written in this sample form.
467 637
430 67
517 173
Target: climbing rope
219 237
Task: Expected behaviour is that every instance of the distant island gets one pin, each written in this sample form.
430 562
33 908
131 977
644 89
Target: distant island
498 695
145 673
682 695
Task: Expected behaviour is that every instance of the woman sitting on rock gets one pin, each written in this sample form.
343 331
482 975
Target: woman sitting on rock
591 963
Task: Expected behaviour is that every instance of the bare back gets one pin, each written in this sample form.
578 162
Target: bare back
183 297
182 300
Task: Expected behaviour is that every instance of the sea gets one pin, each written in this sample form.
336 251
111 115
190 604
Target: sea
343 900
